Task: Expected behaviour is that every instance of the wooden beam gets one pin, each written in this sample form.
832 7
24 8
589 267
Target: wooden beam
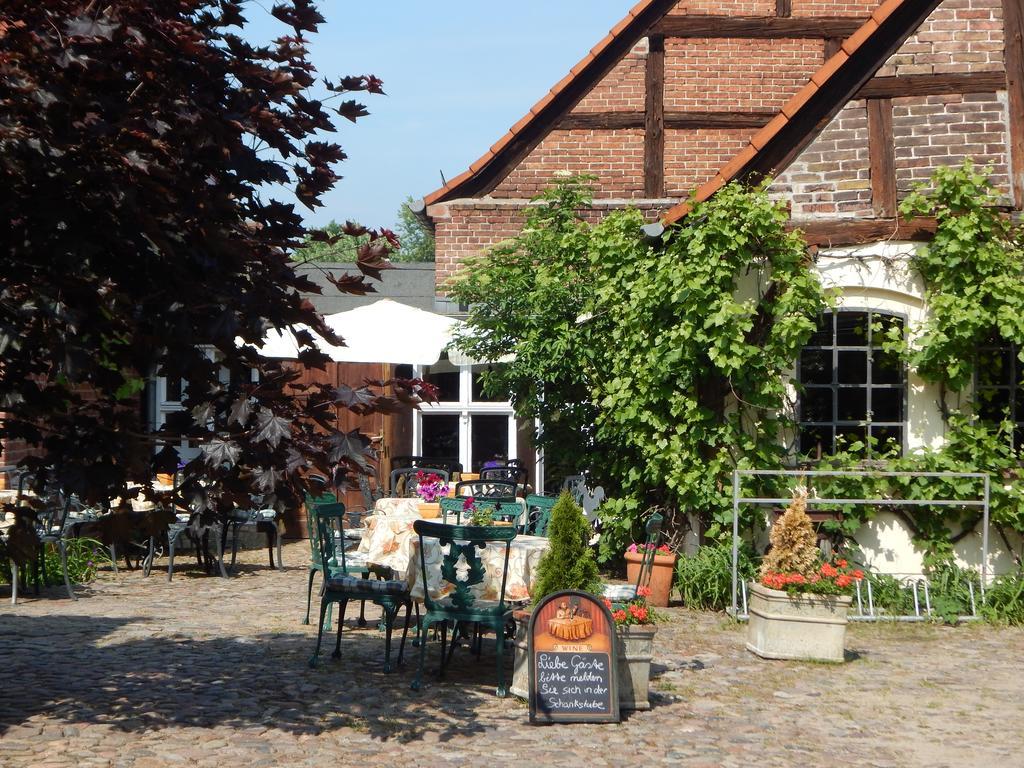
932 85
882 151
654 118
1013 18
674 119
832 46
783 8
839 232
764 27
601 121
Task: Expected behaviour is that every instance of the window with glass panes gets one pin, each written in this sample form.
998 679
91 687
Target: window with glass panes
851 388
997 386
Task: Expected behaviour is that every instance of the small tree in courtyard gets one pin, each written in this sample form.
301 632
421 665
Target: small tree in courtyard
569 563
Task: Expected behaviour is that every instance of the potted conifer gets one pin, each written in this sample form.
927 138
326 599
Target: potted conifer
799 604
570 564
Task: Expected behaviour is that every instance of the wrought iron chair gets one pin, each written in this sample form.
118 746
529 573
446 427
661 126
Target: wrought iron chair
538 514
507 473
52 529
502 490
315 564
460 608
452 512
403 481
621 593
341 585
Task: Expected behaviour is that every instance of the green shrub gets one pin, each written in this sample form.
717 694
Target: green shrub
85 556
704 580
1004 600
569 562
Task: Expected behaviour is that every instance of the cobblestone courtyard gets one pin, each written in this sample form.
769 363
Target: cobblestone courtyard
209 672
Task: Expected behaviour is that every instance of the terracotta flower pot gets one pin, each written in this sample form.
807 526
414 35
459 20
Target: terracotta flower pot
663 573
429 510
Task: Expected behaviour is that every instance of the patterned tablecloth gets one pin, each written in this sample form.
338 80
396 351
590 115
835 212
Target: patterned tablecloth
389 540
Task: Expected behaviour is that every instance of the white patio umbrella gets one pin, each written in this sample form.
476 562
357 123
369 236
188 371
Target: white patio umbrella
386 331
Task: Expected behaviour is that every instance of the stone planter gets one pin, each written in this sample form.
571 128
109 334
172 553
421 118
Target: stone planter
635 648
802 627
663 573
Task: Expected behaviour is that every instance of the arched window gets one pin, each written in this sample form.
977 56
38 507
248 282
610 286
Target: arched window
850 387
997 386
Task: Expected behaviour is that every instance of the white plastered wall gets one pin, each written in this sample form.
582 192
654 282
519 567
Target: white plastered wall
878 277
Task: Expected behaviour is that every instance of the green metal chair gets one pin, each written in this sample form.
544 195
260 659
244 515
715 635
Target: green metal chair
461 609
509 510
538 514
623 593
340 586
315 566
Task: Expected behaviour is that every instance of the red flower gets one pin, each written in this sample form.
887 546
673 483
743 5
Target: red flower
619 615
467 505
841 563
643 591
843 580
828 571
858 574
607 603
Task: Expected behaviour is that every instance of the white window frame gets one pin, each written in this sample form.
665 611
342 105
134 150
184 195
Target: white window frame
465 408
160 406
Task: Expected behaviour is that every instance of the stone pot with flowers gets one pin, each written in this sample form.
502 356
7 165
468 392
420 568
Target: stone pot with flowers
798 605
663 570
430 487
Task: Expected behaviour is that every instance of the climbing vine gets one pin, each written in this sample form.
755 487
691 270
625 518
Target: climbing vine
973 273
658 369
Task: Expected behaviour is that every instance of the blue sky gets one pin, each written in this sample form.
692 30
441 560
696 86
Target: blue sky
457 74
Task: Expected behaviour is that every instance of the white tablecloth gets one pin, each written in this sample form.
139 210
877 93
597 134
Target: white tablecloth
389 540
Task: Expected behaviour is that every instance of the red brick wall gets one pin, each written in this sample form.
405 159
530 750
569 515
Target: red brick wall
725 7
615 157
834 7
743 75
693 157
830 179
468 230
622 88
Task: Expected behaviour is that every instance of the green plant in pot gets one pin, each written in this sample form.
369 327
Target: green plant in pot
570 563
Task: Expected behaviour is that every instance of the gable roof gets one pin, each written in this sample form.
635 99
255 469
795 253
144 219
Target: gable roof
806 114
483 175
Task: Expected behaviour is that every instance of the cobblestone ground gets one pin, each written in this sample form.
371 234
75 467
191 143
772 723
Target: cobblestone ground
209 672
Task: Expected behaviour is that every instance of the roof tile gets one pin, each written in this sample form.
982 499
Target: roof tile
858 38
885 10
730 169
800 98
830 67
766 133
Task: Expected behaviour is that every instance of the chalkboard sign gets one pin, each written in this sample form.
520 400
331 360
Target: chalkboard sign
572 661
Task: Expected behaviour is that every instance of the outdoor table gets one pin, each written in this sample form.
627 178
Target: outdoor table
388 540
